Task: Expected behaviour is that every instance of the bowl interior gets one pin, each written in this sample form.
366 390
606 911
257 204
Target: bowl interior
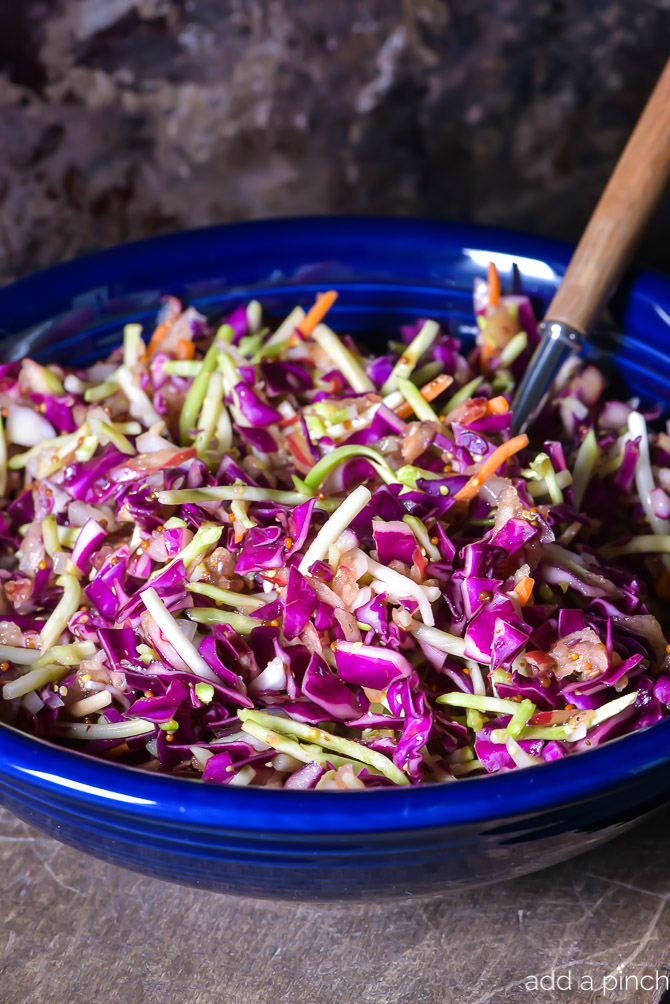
388 272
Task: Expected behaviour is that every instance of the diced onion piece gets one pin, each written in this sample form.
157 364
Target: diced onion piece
401 587
26 427
644 479
254 316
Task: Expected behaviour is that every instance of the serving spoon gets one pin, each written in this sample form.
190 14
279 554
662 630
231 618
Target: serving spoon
606 247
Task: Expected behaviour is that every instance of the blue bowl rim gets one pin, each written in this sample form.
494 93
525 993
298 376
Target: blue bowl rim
37 766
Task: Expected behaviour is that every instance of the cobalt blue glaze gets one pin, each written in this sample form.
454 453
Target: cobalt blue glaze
330 845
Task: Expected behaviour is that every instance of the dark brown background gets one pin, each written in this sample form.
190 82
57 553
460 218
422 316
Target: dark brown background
125 118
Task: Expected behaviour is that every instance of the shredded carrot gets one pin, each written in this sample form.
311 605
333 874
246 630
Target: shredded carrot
491 465
493 280
497 406
428 392
662 585
185 349
157 337
486 354
317 313
162 329
524 588
285 422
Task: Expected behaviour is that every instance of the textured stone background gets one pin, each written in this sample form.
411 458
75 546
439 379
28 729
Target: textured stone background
125 118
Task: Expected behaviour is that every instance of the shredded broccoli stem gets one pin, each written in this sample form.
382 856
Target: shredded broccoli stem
516 345
283 333
227 493
204 692
132 345
419 405
553 484
323 467
212 406
541 471
519 756
50 535
344 360
205 537
333 527
101 391
251 344
67 606
442 640
194 398
174 634
462 395
421 533
524 710
611 709
19 656
587 457
428 373
649 543
212 615
66 655
182 367
479 702
33 680
411 355
548 732
309 733
112 434
408 475
104 730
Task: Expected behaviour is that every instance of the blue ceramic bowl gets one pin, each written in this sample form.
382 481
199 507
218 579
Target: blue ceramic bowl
330 845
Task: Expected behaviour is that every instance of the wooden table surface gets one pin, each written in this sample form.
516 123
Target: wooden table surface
75 929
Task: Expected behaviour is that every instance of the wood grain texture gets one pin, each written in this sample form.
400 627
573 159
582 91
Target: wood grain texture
75 930
620 218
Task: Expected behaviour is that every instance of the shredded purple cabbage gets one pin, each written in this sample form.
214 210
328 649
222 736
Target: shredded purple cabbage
261 556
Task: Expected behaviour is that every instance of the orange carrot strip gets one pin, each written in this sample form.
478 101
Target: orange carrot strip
428 392
157 337
486 353
318 311
497 406
185 349
524 588
491 465
493 280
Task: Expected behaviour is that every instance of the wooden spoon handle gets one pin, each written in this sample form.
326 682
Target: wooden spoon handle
620 217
